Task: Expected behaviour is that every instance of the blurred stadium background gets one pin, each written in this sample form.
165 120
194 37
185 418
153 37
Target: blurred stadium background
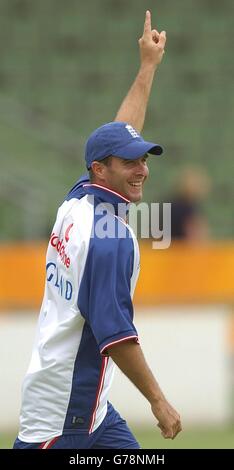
64 69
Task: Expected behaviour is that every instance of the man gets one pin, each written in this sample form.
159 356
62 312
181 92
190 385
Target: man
86 319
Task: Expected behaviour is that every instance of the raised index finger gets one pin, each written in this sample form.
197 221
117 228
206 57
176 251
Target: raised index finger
147 25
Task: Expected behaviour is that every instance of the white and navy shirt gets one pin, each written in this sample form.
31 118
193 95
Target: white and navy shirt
87 307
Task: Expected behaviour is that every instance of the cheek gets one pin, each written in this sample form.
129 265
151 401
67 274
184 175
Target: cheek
146 172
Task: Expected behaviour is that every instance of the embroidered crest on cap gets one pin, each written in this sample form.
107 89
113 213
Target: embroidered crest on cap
132 131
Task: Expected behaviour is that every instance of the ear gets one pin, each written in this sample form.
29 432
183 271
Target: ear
98 170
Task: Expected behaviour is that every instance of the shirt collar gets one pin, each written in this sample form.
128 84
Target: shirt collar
108 195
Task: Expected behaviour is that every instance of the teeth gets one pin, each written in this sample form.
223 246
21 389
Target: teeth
137 185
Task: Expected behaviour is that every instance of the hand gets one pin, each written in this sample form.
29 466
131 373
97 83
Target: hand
152 43
168 419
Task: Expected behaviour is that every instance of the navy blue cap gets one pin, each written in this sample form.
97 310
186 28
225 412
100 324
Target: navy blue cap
120 140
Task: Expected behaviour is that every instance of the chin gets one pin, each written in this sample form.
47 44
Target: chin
135 197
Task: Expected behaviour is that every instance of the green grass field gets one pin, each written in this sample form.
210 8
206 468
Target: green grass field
150 438
204 438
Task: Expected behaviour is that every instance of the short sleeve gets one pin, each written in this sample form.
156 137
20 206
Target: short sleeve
104 296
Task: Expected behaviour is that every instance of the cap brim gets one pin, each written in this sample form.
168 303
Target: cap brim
137 149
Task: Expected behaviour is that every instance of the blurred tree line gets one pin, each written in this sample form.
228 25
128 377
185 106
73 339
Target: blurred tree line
64 69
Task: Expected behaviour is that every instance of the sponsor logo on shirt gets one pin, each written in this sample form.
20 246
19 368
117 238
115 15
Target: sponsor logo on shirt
67 232
59 245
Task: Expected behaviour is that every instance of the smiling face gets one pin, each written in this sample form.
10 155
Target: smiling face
123 176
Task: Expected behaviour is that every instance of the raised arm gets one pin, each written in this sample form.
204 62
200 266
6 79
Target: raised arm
130 359
134 105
